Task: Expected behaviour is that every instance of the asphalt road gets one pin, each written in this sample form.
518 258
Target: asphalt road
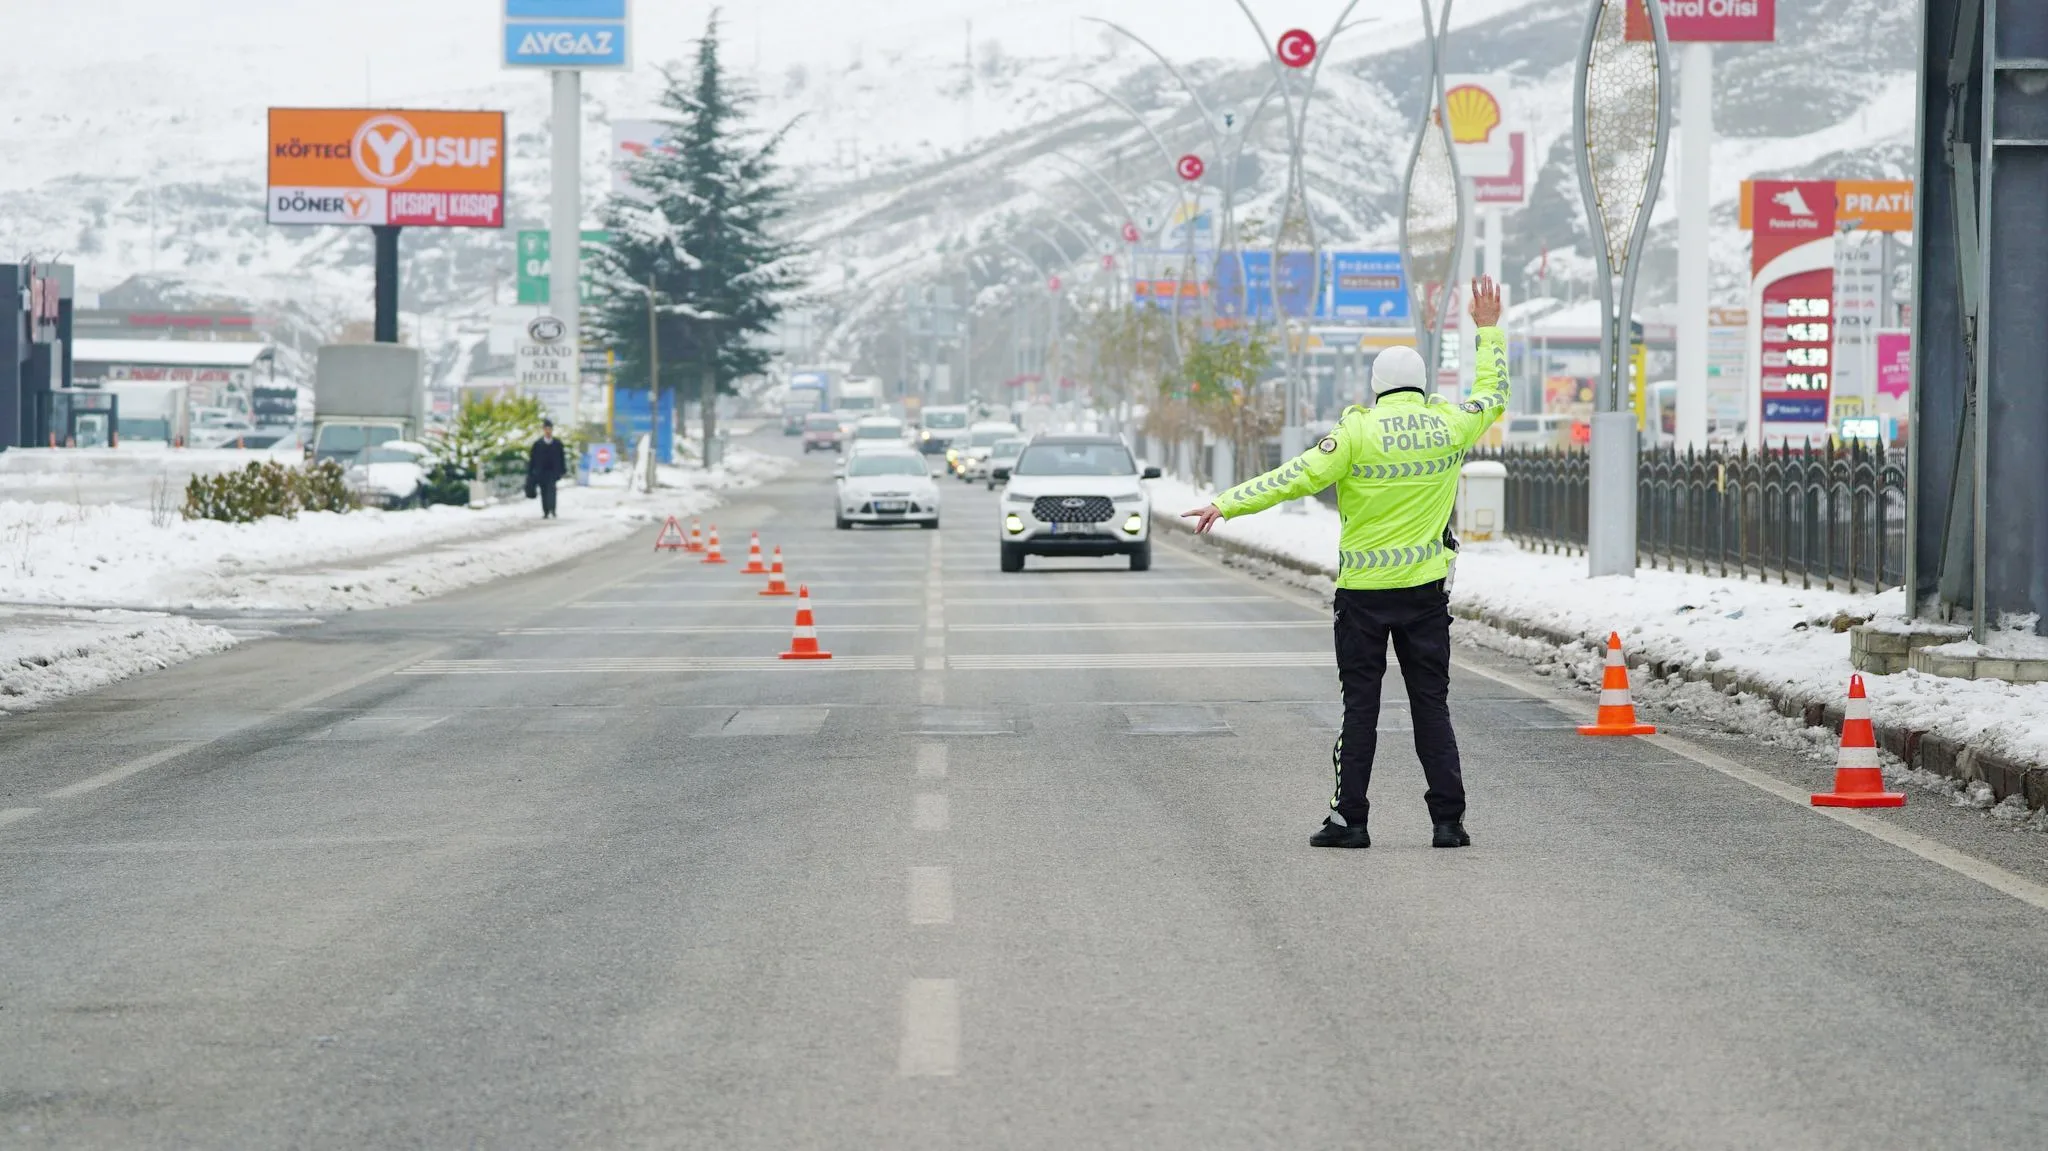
572 860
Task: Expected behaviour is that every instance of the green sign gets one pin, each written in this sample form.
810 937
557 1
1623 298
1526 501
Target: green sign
534 252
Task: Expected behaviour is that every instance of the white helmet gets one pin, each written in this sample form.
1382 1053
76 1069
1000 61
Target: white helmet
1397 367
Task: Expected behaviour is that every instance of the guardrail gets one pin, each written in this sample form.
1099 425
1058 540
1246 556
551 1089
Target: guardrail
1823 513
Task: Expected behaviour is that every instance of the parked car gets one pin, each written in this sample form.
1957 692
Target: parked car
886 486
391 475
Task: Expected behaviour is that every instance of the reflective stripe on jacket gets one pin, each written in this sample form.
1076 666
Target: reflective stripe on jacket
1395 465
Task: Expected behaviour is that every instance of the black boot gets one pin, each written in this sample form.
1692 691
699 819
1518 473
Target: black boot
1334 834
1451 833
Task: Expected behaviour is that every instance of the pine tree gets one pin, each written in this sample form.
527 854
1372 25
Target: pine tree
699 230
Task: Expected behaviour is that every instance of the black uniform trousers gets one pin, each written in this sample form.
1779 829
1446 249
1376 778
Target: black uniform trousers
547 497
1418 619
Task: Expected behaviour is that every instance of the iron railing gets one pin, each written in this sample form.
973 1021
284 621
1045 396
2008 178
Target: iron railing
1820 513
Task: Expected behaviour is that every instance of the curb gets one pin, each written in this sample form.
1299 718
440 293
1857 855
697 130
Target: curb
1918 749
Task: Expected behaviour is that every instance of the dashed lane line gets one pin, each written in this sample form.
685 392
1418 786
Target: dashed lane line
1141 661
1147 625
729 604
931 761
931 1029
756 629
1136 598
15 814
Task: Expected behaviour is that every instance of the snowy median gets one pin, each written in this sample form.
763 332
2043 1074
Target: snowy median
1750 655
116 569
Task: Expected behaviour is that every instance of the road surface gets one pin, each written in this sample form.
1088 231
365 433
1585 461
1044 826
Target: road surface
572 860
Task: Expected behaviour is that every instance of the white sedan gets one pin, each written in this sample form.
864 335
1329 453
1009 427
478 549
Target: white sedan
391 475
886 487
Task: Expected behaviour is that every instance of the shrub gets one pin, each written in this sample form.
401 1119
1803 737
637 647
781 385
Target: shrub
447 483
268 488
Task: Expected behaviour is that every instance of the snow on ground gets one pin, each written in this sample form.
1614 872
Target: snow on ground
116 556
1768 632
49 653
70 571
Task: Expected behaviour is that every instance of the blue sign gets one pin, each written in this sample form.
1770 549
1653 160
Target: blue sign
579 34
1368 286
1252 294
1803 410
634 414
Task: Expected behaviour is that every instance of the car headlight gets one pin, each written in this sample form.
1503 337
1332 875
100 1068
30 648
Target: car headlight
1013 523
1135 524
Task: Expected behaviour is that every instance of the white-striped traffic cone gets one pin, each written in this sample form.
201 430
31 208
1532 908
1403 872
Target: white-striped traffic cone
1617 708
804 644
712 555
754 564
775 584
696 536
1859 781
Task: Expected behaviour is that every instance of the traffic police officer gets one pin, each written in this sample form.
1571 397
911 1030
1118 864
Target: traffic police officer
1395 465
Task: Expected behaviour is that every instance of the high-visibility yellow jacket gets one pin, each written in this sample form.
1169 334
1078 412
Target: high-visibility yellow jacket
1395 465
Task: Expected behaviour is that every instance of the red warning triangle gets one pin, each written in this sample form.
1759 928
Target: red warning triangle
671 537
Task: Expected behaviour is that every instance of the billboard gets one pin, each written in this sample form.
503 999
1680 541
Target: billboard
569 34
1511 189
1858 205
1709 21
1367 286
1477 107
632 139
536 263
386 166
1797 378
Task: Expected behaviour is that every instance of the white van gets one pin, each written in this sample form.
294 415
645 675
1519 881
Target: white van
1543 430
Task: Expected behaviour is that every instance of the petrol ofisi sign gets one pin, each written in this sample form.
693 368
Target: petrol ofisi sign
1708 21
386 166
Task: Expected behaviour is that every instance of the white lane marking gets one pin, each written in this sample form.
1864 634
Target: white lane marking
1137 597
653 665
929 811
116 775
931 761
931 895
15 814
935 642
1968 866
1144 625
1141 661
1091 583
137 766
759 629
931 1028
729 604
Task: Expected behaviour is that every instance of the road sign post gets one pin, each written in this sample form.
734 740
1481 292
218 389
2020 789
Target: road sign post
565 37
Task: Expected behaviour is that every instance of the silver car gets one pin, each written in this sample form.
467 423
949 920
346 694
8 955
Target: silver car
886 487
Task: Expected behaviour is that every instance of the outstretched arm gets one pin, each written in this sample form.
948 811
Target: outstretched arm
1304 475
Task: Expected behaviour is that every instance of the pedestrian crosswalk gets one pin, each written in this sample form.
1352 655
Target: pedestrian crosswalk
1139 661
653 665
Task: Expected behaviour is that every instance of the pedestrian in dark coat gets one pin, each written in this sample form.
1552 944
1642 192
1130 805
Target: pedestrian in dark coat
546 464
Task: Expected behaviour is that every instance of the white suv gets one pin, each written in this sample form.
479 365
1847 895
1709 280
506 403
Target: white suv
1075 495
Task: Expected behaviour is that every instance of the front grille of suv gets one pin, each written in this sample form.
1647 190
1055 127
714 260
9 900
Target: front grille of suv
1072 509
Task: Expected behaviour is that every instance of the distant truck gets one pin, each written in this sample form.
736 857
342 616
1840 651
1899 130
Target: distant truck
153 411
365 395
860 396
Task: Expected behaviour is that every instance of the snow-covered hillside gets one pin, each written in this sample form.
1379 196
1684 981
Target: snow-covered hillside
924 128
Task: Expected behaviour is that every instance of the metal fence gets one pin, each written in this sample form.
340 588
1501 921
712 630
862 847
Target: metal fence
1822 514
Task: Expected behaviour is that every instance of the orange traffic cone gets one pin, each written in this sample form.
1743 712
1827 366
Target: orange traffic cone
671 537
775 584
1617 710
804 644
714 556
754 564
696 536
1859 782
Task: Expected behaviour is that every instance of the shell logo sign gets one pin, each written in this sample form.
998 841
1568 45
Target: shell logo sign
1475 113
1477 108
376 166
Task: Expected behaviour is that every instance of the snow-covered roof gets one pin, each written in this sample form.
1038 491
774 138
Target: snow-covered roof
1581 321
170 353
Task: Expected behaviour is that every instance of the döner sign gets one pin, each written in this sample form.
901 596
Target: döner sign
376 166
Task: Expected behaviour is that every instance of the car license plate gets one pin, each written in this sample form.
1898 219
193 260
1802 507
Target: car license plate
891 506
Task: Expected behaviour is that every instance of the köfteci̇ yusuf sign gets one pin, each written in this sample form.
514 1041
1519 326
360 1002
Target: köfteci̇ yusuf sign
386 166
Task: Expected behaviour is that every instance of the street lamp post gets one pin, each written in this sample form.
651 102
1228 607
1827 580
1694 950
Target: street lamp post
1433 206
1621 121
